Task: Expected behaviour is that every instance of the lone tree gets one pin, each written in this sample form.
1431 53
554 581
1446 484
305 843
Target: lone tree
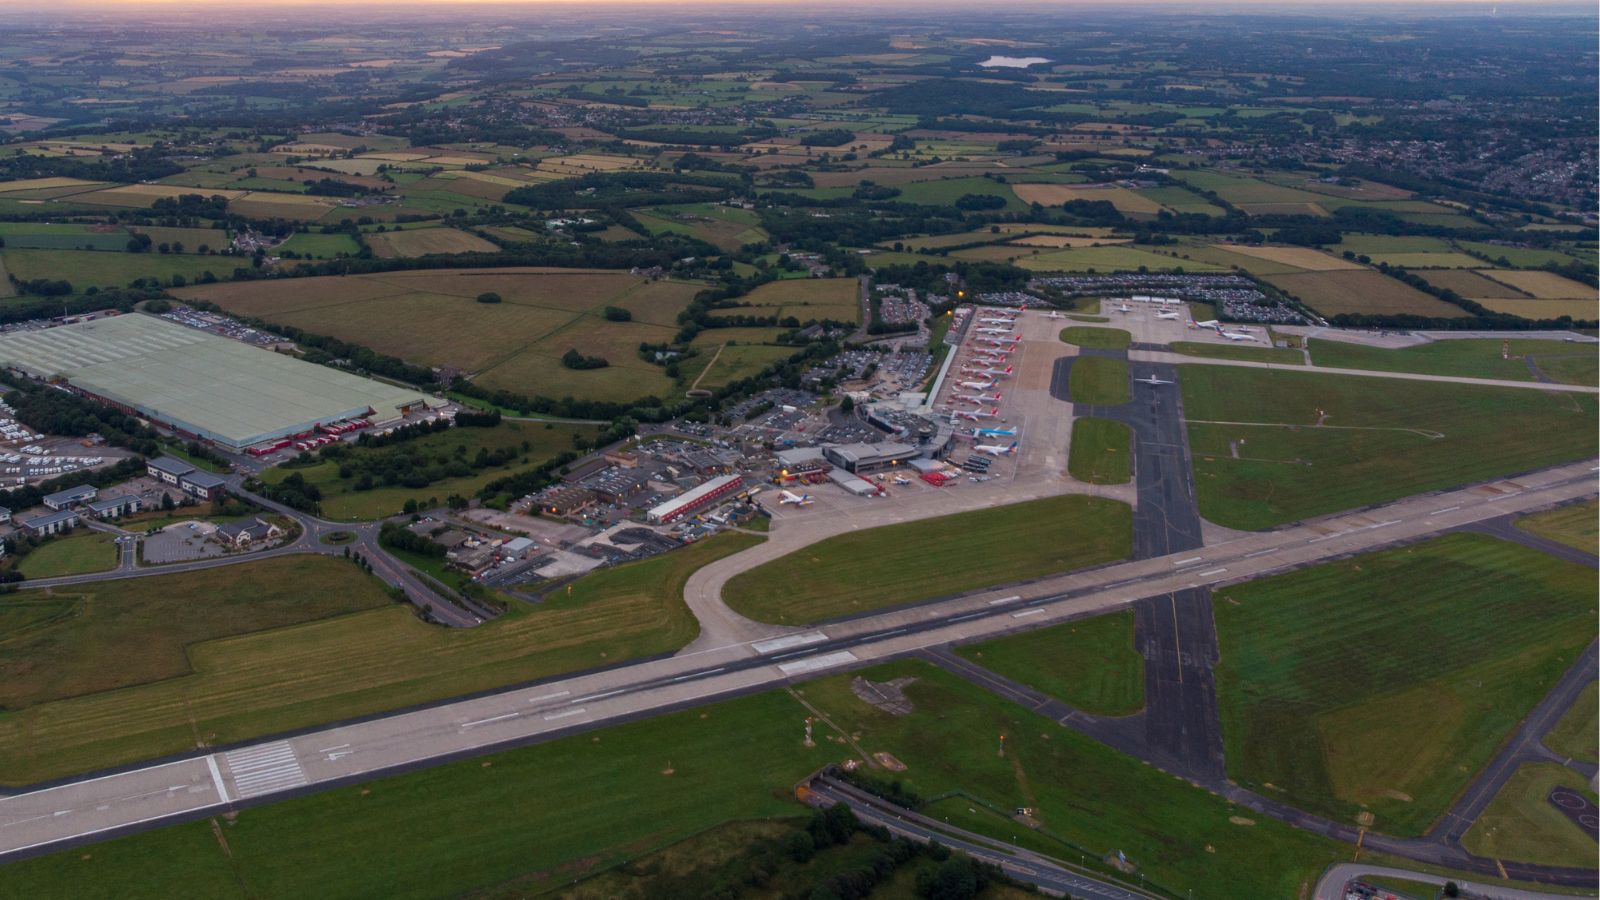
488 297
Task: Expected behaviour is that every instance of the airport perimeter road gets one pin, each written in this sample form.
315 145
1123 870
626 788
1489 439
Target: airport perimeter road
1163 356
1331 887
95 807
1023 865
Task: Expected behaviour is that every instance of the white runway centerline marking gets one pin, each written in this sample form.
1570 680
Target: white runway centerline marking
510 715
556 696
812 664
1190 561
1212 572
562 715
265 769
599 696
1011 599
1026 613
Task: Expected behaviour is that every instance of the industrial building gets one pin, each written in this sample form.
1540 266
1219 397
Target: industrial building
200 384
691 500
192 481
862 458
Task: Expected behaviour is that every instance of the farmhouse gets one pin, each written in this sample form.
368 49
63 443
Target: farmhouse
200 384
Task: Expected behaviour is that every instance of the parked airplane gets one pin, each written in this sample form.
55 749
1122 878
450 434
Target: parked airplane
1209 323
999 342
1151 380
1237 335
996 449
796 499
1053 314
992 321
1170 316
978 385
1124 308
980 414
983 398
996 432
994 331
901 480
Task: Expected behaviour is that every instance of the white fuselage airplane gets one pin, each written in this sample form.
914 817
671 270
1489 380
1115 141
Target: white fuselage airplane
1151 380
994 331
1169 316
996 321
996 432
1052 314
981 414
997 342
1124 308
1237 335
980 398
979 385
790 497
996 449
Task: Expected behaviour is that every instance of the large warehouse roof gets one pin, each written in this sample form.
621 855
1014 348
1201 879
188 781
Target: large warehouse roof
207 385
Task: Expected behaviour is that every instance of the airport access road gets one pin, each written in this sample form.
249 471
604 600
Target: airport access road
1331 886
94 807
1050 875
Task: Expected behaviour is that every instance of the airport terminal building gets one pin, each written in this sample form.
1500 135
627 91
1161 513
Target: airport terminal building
200 384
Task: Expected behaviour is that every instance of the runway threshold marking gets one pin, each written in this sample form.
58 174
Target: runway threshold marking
216 778
264 770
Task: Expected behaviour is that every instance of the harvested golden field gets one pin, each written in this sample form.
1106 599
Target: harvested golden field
1056 194
423 241
139 195
35 184
1473 285
1361 292
1305 258
1541 285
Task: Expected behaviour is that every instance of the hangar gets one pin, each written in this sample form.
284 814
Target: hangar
201 384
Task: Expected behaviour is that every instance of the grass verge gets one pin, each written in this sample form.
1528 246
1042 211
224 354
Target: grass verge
75 554
1277 355
1491 358
1577 735
1574 525
874 568
1100 452
1098 381
1106 338
1088 663
1520 824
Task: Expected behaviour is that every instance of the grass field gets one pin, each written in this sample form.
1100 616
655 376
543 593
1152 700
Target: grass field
1577 735
803 298
340 499
1099 381
283 678
1109 259
423 241
515 344
724 227
1091 664
1428 260
1381 439
1520 824
1573 525
88 551
1088 800
1578 310
1100 452
525 821
1471 284
1361 291
861 571
1542 285
320 246
1528 257
1280 355
94 268
1105 338
1302 258
1558 361
1124 200
1432 652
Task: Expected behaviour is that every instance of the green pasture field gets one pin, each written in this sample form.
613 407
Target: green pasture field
1361 291
1577 735
1110 259
1573 525
321 246
862 571
1090 664
1382 439
92 268
1520 824
1277 355
728 364
1472 284
1519 257
725 227
1567 363
76 554
1100 452
1180 201
426 241
1434 651
259 673
947 191
43 236
1375 244
803 298
1104 338
515 344
1245 191
341 500
1099 381
1427 260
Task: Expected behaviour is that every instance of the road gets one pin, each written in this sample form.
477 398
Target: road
93 807
1331 887
1050 875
